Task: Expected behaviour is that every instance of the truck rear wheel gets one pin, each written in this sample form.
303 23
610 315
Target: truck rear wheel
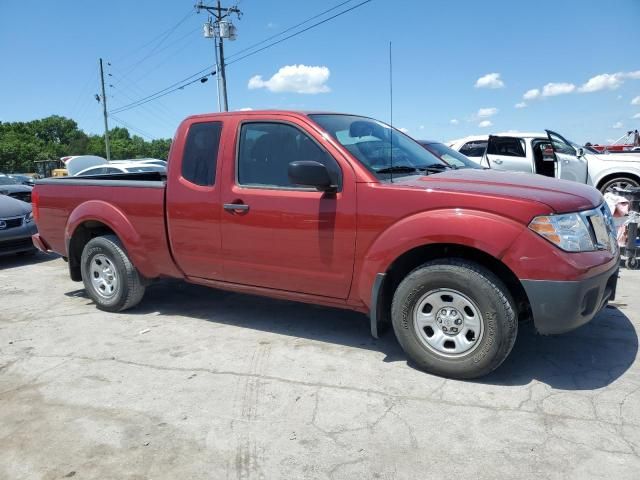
454 318
109 277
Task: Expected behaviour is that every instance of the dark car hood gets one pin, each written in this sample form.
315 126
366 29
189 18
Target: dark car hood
560 195
10 207
9 189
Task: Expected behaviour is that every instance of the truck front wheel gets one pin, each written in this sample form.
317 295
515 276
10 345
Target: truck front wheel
109 277
454 318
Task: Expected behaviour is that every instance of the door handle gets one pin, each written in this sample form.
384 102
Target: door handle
498 161
236 207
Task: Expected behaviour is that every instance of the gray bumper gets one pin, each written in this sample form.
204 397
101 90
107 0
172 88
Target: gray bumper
18 239
561 306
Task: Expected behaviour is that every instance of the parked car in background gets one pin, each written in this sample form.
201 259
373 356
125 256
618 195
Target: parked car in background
343 211
472 147
13 188
24 179
448 154
115 168
142 161
552 155
16 226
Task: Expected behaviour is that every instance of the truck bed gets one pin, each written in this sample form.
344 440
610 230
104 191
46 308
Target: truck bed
135 200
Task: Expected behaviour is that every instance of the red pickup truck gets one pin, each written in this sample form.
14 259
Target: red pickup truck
344 211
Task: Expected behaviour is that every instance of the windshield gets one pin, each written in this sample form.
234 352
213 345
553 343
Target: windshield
449 155
386 152
7 181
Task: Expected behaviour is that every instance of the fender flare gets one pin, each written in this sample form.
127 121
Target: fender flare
447 226
117 221
615 170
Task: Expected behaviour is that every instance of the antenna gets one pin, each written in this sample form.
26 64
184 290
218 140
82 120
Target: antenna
391 113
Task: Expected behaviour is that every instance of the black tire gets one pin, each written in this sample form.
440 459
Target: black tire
632 263
622 179
130 286
484 289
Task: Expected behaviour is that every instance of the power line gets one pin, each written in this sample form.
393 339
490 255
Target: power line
251 47
131 127
201 79
134 51
170 89
300 31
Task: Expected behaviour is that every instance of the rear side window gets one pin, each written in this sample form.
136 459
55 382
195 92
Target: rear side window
201 153
512 147
474 149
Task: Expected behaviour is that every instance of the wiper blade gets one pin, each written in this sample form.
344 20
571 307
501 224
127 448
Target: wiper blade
397 169
436 168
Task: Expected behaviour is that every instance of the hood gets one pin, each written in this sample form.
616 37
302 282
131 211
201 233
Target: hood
10 207
7 189
560 195
619 157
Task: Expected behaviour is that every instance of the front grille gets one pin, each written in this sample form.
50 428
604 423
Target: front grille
10 222
16 245
24 196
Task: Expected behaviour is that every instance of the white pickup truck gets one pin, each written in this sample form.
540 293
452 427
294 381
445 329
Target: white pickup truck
552 155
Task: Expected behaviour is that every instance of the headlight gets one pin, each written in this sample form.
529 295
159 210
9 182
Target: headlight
568 231
28 218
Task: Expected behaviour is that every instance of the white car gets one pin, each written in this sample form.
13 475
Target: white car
116 168
552 155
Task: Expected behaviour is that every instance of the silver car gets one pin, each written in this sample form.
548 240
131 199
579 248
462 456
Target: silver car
16 226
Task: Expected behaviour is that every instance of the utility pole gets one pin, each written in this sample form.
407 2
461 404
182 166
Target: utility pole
104 112
220 29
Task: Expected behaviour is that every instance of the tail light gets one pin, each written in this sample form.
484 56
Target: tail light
35 205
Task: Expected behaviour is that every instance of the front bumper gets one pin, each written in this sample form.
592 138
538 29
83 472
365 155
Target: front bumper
16 240
561 306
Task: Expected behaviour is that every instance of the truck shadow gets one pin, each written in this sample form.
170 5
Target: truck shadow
589 358
22 260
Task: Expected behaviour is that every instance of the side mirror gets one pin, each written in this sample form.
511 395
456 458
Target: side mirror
308 173
579 152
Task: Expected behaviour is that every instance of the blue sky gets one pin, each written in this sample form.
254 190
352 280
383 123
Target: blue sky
441 48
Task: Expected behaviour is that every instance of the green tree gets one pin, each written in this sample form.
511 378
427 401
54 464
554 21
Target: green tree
24 143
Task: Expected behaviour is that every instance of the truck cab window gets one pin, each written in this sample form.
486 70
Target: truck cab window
266 149
201 153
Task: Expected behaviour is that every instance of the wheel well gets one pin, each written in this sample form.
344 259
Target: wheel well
81 236
611 176
412 259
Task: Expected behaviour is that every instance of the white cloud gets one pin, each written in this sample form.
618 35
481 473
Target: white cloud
485 123
454 121
552 89
604 81
531 94
421 127
487 112
521 105
490 80
608 81
404 130
637 115
636 100
271 25
245 109
296 79
617 125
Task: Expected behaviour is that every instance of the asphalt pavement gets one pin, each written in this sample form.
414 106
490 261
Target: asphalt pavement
203 384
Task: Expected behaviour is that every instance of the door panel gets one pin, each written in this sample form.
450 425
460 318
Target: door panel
287 238
193 202
507 153
569 166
